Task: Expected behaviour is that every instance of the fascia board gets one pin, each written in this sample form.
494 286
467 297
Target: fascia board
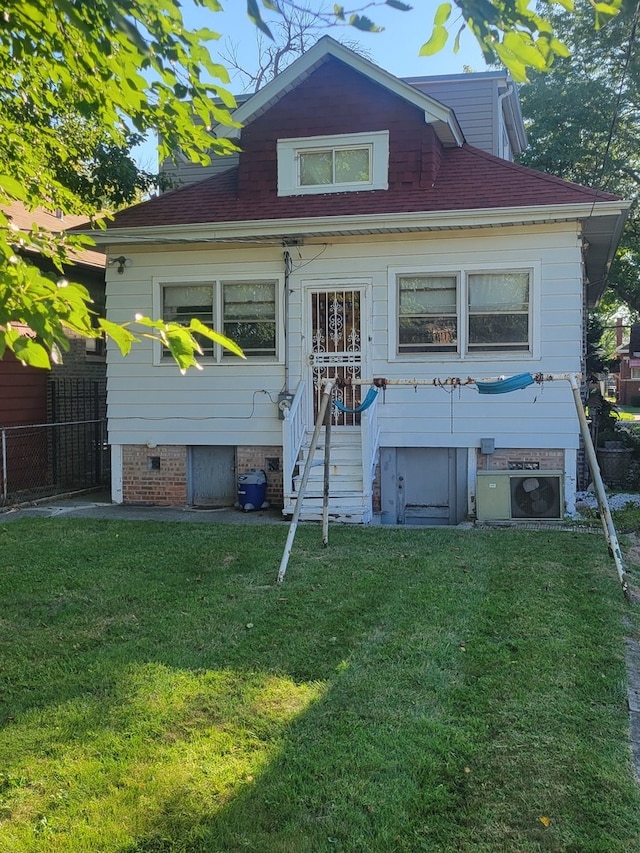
433 110
368 223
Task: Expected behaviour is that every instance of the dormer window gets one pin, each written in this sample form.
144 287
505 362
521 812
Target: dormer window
350 162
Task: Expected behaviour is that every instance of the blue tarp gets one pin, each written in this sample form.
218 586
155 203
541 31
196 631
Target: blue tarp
504 386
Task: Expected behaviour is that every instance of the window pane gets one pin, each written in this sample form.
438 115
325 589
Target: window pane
427 314
182 302
352 166
498 311
433 295
250 316
508 330
499 292
418 334
316 168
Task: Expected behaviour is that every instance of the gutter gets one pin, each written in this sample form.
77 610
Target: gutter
376 223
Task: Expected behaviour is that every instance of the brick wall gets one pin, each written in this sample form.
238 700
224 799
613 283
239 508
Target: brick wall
505 459
158 476
78 364
155 476
269 460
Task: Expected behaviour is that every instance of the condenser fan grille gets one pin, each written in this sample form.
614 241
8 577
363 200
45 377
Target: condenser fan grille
535 497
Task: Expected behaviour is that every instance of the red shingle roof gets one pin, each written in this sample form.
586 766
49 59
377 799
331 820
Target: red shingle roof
468 179
25 220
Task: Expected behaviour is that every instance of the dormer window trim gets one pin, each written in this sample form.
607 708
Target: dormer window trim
294 180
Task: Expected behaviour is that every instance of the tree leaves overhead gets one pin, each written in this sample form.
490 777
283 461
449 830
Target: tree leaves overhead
80 83
590 133
512 32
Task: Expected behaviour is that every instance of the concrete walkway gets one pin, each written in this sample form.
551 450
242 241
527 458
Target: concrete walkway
97 505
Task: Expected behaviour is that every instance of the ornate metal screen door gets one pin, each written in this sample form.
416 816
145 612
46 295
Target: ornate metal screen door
336 347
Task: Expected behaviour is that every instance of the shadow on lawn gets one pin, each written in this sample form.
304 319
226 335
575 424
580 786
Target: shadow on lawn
395 708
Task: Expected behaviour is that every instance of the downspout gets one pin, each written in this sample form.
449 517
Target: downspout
287 276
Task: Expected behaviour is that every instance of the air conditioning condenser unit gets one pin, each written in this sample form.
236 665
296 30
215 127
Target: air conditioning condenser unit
509 495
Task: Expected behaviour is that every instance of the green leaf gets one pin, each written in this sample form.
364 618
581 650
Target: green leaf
523 48
396 4
604 13
12 188
253 11
439 38
31 353
120 335
442 14
364 24
338 11
199 328
511 63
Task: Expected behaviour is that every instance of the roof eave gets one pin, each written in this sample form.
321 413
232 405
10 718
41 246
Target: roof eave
605 238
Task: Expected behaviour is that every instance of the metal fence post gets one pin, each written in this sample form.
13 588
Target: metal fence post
4 466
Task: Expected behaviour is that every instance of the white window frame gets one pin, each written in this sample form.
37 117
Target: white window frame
442 350
220 356
506 350
289 150
634 373
462 271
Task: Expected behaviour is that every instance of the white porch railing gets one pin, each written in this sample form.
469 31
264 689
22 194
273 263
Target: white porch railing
293 433
370 438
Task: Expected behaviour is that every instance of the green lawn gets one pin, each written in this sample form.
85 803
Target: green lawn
402 691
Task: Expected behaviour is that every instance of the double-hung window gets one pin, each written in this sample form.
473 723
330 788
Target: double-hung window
249 316
244 311
469 312
428 320
498 311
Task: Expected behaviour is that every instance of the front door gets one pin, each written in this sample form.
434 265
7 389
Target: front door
336 347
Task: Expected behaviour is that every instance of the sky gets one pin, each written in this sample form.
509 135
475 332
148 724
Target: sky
396 49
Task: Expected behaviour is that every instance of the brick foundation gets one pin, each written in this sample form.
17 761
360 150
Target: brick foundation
508 459
158 476
155 476
265 459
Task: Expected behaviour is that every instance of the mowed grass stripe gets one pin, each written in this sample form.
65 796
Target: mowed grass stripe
403 690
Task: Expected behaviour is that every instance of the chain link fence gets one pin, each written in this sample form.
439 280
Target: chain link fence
67 453
38 460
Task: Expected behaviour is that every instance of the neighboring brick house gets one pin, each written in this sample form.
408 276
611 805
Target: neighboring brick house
359 234
629 372
70 390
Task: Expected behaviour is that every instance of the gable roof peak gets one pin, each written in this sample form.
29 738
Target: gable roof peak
441 117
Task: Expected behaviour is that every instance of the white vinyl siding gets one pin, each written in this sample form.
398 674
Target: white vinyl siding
234 402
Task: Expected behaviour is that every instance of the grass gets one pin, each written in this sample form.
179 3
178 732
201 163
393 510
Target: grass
402 691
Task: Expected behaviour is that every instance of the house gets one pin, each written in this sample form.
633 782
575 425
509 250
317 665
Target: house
74 389
629 371
367 229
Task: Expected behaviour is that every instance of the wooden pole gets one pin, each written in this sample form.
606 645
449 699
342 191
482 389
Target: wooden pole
325 490
603 503
324 401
